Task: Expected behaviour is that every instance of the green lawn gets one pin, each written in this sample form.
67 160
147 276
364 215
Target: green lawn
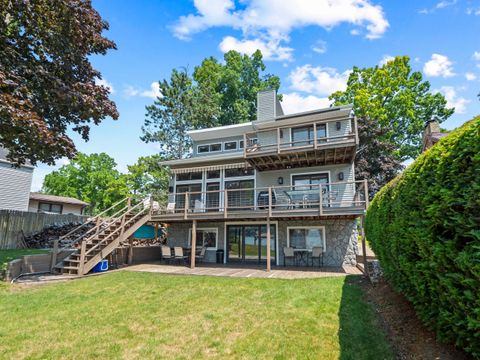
8 255
144 315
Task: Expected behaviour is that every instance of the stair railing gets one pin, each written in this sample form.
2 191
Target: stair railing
122 227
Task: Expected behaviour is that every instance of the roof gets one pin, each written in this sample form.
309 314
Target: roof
221 131
205 160
56 199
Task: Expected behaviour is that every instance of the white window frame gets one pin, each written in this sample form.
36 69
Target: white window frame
300 126
322 228
232 141
215 230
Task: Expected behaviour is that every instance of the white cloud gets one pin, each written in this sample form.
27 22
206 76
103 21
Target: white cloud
476 55
386 59
105 83
320 47
470 76
271 21
453 100
473 11
440 5
153 92
294 103
438 65
318 80
271 49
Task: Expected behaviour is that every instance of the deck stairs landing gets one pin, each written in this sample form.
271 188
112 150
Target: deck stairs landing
107 235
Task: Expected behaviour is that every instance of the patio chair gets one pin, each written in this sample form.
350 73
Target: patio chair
201 256
170 207
178 254
288 253
167 254
317 254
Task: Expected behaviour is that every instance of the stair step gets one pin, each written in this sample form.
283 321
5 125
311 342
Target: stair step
69 267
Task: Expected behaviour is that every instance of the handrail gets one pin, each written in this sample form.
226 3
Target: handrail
116 230
89 221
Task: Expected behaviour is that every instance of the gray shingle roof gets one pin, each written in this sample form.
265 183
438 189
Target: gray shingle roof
56 199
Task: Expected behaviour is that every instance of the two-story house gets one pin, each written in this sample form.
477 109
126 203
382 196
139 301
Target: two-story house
289 179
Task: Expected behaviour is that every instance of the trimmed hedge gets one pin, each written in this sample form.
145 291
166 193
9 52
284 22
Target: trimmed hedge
424 226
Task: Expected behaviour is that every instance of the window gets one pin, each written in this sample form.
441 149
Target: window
205 238
240 144
304 135
306 237
239 172
230 145
189 176
51 208
209 148
212 196
304 182
195 194
213 174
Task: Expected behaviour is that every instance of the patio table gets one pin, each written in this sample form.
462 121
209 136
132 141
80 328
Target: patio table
302 255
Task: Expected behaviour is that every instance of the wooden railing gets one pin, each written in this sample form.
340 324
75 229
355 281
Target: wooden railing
316 199
271 140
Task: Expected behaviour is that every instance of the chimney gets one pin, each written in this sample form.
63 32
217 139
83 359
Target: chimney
431 133
432 126
268 106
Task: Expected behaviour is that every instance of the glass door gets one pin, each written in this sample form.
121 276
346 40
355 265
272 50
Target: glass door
235 243
248 243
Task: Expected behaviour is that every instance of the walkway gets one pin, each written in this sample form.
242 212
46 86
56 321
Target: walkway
246 272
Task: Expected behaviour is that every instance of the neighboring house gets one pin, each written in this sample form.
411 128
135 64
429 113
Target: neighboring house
432 134
294 172
15 183
55 204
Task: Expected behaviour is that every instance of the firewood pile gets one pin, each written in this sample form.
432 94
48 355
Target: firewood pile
44 239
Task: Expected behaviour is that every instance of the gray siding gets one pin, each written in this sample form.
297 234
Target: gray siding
15 186
222 141
266 105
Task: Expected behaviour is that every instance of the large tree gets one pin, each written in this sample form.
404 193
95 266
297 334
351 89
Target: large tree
392 104
181 107
91 178
147 177
398 99
47 83
234 84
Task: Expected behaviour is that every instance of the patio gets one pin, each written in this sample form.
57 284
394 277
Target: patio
246 272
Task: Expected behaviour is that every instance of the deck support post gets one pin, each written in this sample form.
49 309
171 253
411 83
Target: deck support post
53 261
268 245
194 244
130 250
83 249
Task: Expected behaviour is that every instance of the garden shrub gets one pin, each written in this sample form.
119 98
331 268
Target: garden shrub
424 227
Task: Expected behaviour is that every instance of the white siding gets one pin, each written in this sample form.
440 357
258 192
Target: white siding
15 186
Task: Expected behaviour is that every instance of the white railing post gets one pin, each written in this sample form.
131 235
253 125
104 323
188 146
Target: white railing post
320 203
365 186
314 135
225 203
269 201
185 210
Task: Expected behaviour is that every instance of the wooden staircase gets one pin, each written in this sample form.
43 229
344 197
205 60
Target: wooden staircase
108 233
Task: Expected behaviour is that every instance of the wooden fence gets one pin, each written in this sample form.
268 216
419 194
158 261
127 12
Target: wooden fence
12 223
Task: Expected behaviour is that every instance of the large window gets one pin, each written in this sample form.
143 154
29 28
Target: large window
50 208
209 148
194 199
206 237
230 145
241 194
305 181
306 237
305 135
236 172
189 176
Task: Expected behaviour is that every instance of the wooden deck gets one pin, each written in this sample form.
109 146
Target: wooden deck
247 272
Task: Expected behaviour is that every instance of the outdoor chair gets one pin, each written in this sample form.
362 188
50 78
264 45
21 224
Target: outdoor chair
178 254
171 207
288 253
317 254
201 256
167 254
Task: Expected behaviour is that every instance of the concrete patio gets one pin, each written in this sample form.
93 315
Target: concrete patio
246 272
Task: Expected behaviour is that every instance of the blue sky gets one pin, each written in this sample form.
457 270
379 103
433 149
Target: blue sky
310 44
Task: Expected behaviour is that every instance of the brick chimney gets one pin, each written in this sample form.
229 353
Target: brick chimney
431 133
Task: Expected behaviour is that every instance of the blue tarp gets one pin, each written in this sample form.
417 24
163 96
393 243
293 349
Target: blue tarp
146 232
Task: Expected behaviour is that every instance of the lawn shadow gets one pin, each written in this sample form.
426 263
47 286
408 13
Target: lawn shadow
360 334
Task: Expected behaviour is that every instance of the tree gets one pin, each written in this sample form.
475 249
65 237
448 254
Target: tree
180 108
398 99
91 178
47 83
148 177
392 104
234 85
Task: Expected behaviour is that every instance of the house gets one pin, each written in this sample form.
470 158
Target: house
15 183
432 134
55 204
289 179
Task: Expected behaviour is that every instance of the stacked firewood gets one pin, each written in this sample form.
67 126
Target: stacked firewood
45 238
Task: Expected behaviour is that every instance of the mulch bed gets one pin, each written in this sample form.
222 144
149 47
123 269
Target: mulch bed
409 337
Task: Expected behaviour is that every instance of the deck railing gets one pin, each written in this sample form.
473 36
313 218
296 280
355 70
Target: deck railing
278 140
317 199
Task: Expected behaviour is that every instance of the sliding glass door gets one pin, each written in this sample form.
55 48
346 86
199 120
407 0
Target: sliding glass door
248 243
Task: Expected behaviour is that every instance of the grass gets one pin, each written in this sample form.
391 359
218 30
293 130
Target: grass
8 255
144 315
